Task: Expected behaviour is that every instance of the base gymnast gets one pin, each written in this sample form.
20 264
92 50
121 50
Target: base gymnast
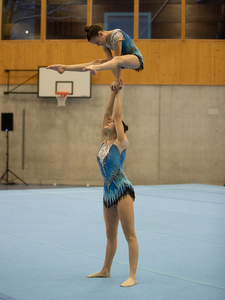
118 192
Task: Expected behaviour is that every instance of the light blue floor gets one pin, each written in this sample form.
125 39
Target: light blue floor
51 239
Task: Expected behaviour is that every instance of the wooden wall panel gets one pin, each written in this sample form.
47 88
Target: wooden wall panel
176 62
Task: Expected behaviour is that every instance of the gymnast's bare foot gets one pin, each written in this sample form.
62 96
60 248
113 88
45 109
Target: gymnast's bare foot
102 274
92 68
129 282
57 67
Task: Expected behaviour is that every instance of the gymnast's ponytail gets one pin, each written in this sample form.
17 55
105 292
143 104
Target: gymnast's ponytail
125 127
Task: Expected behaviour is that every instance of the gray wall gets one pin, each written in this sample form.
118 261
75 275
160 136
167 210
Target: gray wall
176 135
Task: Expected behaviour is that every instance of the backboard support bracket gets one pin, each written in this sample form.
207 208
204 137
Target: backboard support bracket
12 91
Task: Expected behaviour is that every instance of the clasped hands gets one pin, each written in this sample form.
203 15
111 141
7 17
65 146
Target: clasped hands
117 85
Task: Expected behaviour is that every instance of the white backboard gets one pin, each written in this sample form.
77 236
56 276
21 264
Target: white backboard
78 84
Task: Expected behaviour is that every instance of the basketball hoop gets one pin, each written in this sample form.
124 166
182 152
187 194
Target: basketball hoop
61 98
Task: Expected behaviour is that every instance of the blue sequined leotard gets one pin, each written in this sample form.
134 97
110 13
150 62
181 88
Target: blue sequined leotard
116 184
128 47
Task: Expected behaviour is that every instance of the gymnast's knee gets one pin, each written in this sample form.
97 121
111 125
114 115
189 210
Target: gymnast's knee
111 241
130 238
118 59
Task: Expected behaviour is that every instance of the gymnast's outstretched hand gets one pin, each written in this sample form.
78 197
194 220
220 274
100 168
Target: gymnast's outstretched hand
57 67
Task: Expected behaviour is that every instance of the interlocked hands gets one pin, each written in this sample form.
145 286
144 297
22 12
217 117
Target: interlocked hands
117 85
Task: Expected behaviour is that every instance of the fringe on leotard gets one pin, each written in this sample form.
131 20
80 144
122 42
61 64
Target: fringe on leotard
121 193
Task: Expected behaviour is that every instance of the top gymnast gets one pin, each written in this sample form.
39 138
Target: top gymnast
127 55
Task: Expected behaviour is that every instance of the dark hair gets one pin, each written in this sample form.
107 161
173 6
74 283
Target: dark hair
125 127
92 31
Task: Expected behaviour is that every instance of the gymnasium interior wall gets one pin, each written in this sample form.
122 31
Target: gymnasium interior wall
176 135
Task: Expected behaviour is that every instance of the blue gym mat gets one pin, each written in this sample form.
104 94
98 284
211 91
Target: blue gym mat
51 239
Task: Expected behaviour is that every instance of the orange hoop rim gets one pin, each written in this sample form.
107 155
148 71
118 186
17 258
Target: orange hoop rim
62 94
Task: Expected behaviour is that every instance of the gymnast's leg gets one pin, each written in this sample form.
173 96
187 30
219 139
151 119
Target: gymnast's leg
78 67
126 216
127 61
111 222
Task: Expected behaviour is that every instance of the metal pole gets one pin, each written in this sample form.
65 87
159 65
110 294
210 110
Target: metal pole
7 156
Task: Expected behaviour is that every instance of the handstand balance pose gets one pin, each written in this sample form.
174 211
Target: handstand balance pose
127 55
118 192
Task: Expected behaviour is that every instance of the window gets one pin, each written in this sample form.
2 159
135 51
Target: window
66 19
125 21
165 20
205 19
21 19
158 19
114 14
